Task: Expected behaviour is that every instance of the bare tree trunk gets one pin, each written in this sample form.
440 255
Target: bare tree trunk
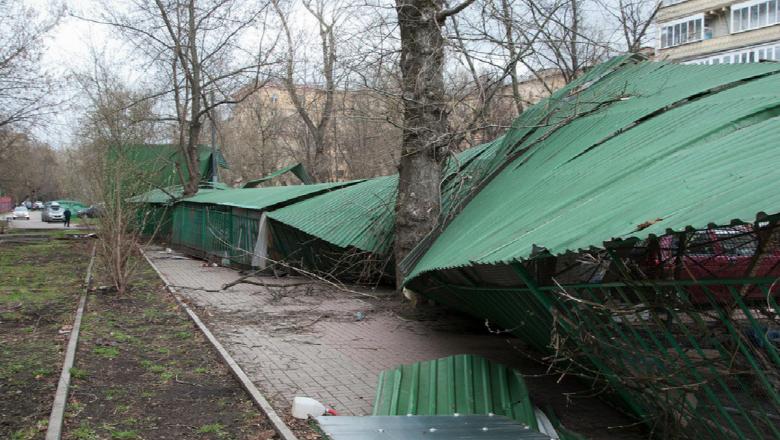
425 130
574 41
506 17
193 165
317 129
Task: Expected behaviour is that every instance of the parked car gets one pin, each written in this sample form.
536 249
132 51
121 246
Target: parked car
38 205
53 213
21 212
717 253
93 211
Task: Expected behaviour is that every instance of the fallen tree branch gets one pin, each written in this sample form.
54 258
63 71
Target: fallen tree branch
265 284
298 326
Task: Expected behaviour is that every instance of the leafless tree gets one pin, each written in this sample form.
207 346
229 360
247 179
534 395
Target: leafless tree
570 42
25 88
39 164
633 19
328 15
116 117
492 41
196 50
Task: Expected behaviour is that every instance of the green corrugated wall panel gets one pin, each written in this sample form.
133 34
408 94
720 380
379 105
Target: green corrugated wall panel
620 352
707 159
462 384
521 312
217 231
189 226
245 228
225 223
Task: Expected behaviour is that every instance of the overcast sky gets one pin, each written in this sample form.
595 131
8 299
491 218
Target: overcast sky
67 50
70 47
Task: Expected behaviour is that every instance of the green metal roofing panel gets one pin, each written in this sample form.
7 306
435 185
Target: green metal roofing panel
363 215
360 216
461 384
463 173
297 169
690 145
161 196
261 198
162 162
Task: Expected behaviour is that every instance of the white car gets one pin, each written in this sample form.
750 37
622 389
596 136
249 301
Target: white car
21 212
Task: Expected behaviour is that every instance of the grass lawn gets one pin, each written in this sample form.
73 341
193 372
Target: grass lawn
144 371
40 283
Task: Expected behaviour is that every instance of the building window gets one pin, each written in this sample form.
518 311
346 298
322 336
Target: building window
683 31
750 55
753 15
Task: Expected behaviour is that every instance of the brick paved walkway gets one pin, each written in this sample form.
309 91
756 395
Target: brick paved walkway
311 343
305 340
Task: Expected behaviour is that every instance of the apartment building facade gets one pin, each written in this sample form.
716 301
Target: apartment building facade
718 31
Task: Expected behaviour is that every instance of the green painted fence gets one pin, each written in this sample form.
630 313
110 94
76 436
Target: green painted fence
155 220
692 358
216 232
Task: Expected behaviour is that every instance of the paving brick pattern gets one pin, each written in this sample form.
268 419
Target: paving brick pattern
310 343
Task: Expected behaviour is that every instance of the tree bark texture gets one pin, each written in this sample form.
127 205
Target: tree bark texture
425 129
193 165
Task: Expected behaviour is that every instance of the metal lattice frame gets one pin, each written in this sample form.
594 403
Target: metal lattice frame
694 358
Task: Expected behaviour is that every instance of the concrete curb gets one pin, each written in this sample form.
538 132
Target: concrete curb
54 432
279 426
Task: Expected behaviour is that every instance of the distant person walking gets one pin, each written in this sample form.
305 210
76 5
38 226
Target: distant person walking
66 214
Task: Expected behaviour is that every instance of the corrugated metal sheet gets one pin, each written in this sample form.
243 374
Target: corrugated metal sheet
261 198
363 216
162 162
462 384
360 216
297 169
689 145
162 196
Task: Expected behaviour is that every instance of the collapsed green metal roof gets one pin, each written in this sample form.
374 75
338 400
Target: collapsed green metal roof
260 198
297 169
161 162
363 215
631 149
162 196
360 216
